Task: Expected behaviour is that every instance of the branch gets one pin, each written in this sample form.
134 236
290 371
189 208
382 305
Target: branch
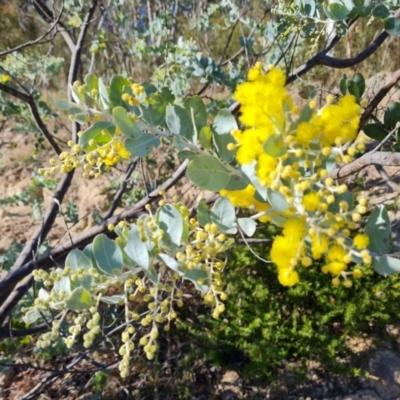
254 241
47 16
38 40
383 158
350 62
47 260
121 190
76 60
379 97
31 247
27 98
314 61
381 171
4 333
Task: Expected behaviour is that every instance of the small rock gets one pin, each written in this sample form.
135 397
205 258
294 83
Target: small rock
231 386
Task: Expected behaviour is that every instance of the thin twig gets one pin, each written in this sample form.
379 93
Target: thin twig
36 41
381 171
47 16
29 100
373 104
76 59
121 190
381 143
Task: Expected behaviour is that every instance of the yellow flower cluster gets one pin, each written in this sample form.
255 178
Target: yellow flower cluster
245 199
137 90
93 162
4 78
150 303
290 158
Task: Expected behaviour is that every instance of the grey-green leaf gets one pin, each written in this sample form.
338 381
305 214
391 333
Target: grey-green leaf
381 11
172 263
274 146
379 231
79 300
92 82
77 259
101 132
247 225
277 200
223 215
392 26
108 255
62 104
338 11
115 299
136 249
208 173
179 121
31 316
195 275
203 213
116 89
170 221
375 131
125 123
386 265
223 124
142 147
197 111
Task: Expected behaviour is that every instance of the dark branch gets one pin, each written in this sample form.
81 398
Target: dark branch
379 97
27 98
350 62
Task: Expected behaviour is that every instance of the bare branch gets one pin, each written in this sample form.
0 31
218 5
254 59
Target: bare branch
379 97
76 61
240 51
47 16
121 190
384 175
350 62
27 98
383 158
38 40
23 332
50 379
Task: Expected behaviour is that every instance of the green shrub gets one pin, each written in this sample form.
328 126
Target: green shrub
265 323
